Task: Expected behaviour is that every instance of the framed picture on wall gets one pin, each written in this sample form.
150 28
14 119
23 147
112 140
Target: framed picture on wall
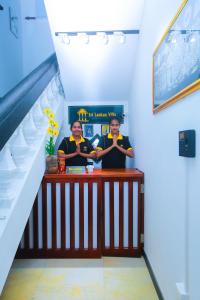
88 130
105 129
176 60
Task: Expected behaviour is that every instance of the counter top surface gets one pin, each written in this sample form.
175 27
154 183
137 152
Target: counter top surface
99 173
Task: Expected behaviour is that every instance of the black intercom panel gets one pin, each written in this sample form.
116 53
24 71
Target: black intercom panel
187 143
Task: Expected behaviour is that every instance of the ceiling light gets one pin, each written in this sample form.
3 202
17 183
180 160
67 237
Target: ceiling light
102 37
120 37
64 38
83 37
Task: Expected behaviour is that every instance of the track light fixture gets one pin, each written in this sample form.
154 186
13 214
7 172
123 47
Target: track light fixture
103 36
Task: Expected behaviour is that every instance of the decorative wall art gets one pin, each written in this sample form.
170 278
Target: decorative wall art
176 60
88 130
104 129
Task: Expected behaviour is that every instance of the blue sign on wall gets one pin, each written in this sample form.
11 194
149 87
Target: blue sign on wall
97 114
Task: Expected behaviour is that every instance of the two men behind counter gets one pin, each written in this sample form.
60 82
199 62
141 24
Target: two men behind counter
112 148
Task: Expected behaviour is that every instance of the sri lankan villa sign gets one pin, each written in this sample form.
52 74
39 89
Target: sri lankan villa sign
99 114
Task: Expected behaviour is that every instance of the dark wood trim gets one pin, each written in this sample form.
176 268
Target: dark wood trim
105 175
126 252
90 215
35 224
111 198
99 216
72 217
81 216
63 216
103 216
121 214
130 213
26 235
153 277
139 217
53 215
58 253
142 212
44 216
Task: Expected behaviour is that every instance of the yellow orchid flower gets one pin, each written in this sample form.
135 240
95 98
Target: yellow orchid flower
49 130
51 115
46 111
56 124
55 132
51 122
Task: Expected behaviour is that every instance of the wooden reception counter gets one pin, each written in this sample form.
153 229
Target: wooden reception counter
86 215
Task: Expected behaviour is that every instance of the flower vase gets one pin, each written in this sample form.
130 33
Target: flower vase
51 164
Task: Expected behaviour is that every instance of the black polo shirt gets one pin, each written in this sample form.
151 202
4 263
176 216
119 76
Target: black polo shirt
114 159
68 146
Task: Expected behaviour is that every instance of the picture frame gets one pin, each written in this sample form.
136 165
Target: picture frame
95 140
14 22
176 59
88 130
105 129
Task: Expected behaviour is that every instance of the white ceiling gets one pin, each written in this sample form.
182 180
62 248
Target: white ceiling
96 72
96 14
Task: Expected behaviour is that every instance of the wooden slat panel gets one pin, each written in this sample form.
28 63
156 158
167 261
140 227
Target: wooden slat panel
142 210
130 214
81 216
53 213
26 235
35 224
99 216
82 252
44 215
139 214
103 215
121 214
72 215
63 216
59 253
90 215
112 214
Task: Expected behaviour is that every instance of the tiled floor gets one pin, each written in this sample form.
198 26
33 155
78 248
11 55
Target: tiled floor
79 279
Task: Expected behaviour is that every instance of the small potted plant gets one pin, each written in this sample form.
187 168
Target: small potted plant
52 131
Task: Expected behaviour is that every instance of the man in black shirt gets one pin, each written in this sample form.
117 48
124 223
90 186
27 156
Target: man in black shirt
114 147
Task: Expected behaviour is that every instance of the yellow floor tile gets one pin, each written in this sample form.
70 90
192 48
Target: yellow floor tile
79 279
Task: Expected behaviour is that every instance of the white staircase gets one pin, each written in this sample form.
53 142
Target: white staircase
22 166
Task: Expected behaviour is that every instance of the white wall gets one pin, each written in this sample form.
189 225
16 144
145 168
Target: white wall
19 56
37 41
172 191
11 70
